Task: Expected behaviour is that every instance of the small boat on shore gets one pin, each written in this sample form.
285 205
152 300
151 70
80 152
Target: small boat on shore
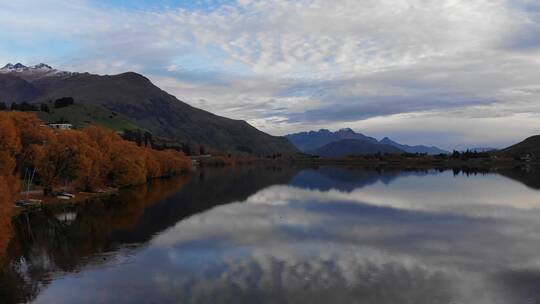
66 194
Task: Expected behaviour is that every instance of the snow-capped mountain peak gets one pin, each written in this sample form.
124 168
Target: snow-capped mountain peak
13 67
43 66
32 72
19 67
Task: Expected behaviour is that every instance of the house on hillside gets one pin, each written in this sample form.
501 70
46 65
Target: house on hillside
61 126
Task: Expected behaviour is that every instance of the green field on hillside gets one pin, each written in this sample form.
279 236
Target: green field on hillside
81 116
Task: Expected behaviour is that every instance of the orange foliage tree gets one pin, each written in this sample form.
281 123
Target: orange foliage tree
10 146
87 159
128 164
7 190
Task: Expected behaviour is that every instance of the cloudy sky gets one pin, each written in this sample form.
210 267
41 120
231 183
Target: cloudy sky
453 73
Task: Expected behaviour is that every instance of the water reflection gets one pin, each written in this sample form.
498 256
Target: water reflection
61 240
286 236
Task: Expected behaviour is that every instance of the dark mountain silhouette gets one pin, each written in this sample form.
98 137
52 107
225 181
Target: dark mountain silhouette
530 146
15 89
413 149
147 106
309 141
347 147
313 140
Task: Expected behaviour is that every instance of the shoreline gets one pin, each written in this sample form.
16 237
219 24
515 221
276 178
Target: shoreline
53 201
421 162
360 163
81 197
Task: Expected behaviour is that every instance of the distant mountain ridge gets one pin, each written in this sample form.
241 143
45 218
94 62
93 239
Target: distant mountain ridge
312 141
308 141
145 105
348 147
414 149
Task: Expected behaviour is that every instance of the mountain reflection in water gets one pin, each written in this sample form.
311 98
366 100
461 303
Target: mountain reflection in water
281 235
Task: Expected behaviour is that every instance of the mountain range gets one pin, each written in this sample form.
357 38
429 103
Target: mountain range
431 150
131 101
346 147
347 142
139 103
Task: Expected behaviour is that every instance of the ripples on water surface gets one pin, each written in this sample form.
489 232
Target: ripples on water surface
281 235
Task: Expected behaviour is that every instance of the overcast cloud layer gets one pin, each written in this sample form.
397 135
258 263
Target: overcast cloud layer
453 73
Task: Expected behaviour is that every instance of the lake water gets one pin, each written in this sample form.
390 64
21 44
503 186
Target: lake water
285 235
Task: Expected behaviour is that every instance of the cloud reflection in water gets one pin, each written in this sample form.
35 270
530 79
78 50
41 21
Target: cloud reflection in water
411 238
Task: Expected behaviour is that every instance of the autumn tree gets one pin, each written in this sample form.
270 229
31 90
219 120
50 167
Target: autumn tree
10 144
32 134
104 138
69 156
10 147
153 164
30 129
128 164
87 159
88 168
7 191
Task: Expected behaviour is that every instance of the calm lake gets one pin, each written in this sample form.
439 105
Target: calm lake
286 235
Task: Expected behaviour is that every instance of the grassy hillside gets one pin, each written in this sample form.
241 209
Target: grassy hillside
146 106
162 114
82 115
